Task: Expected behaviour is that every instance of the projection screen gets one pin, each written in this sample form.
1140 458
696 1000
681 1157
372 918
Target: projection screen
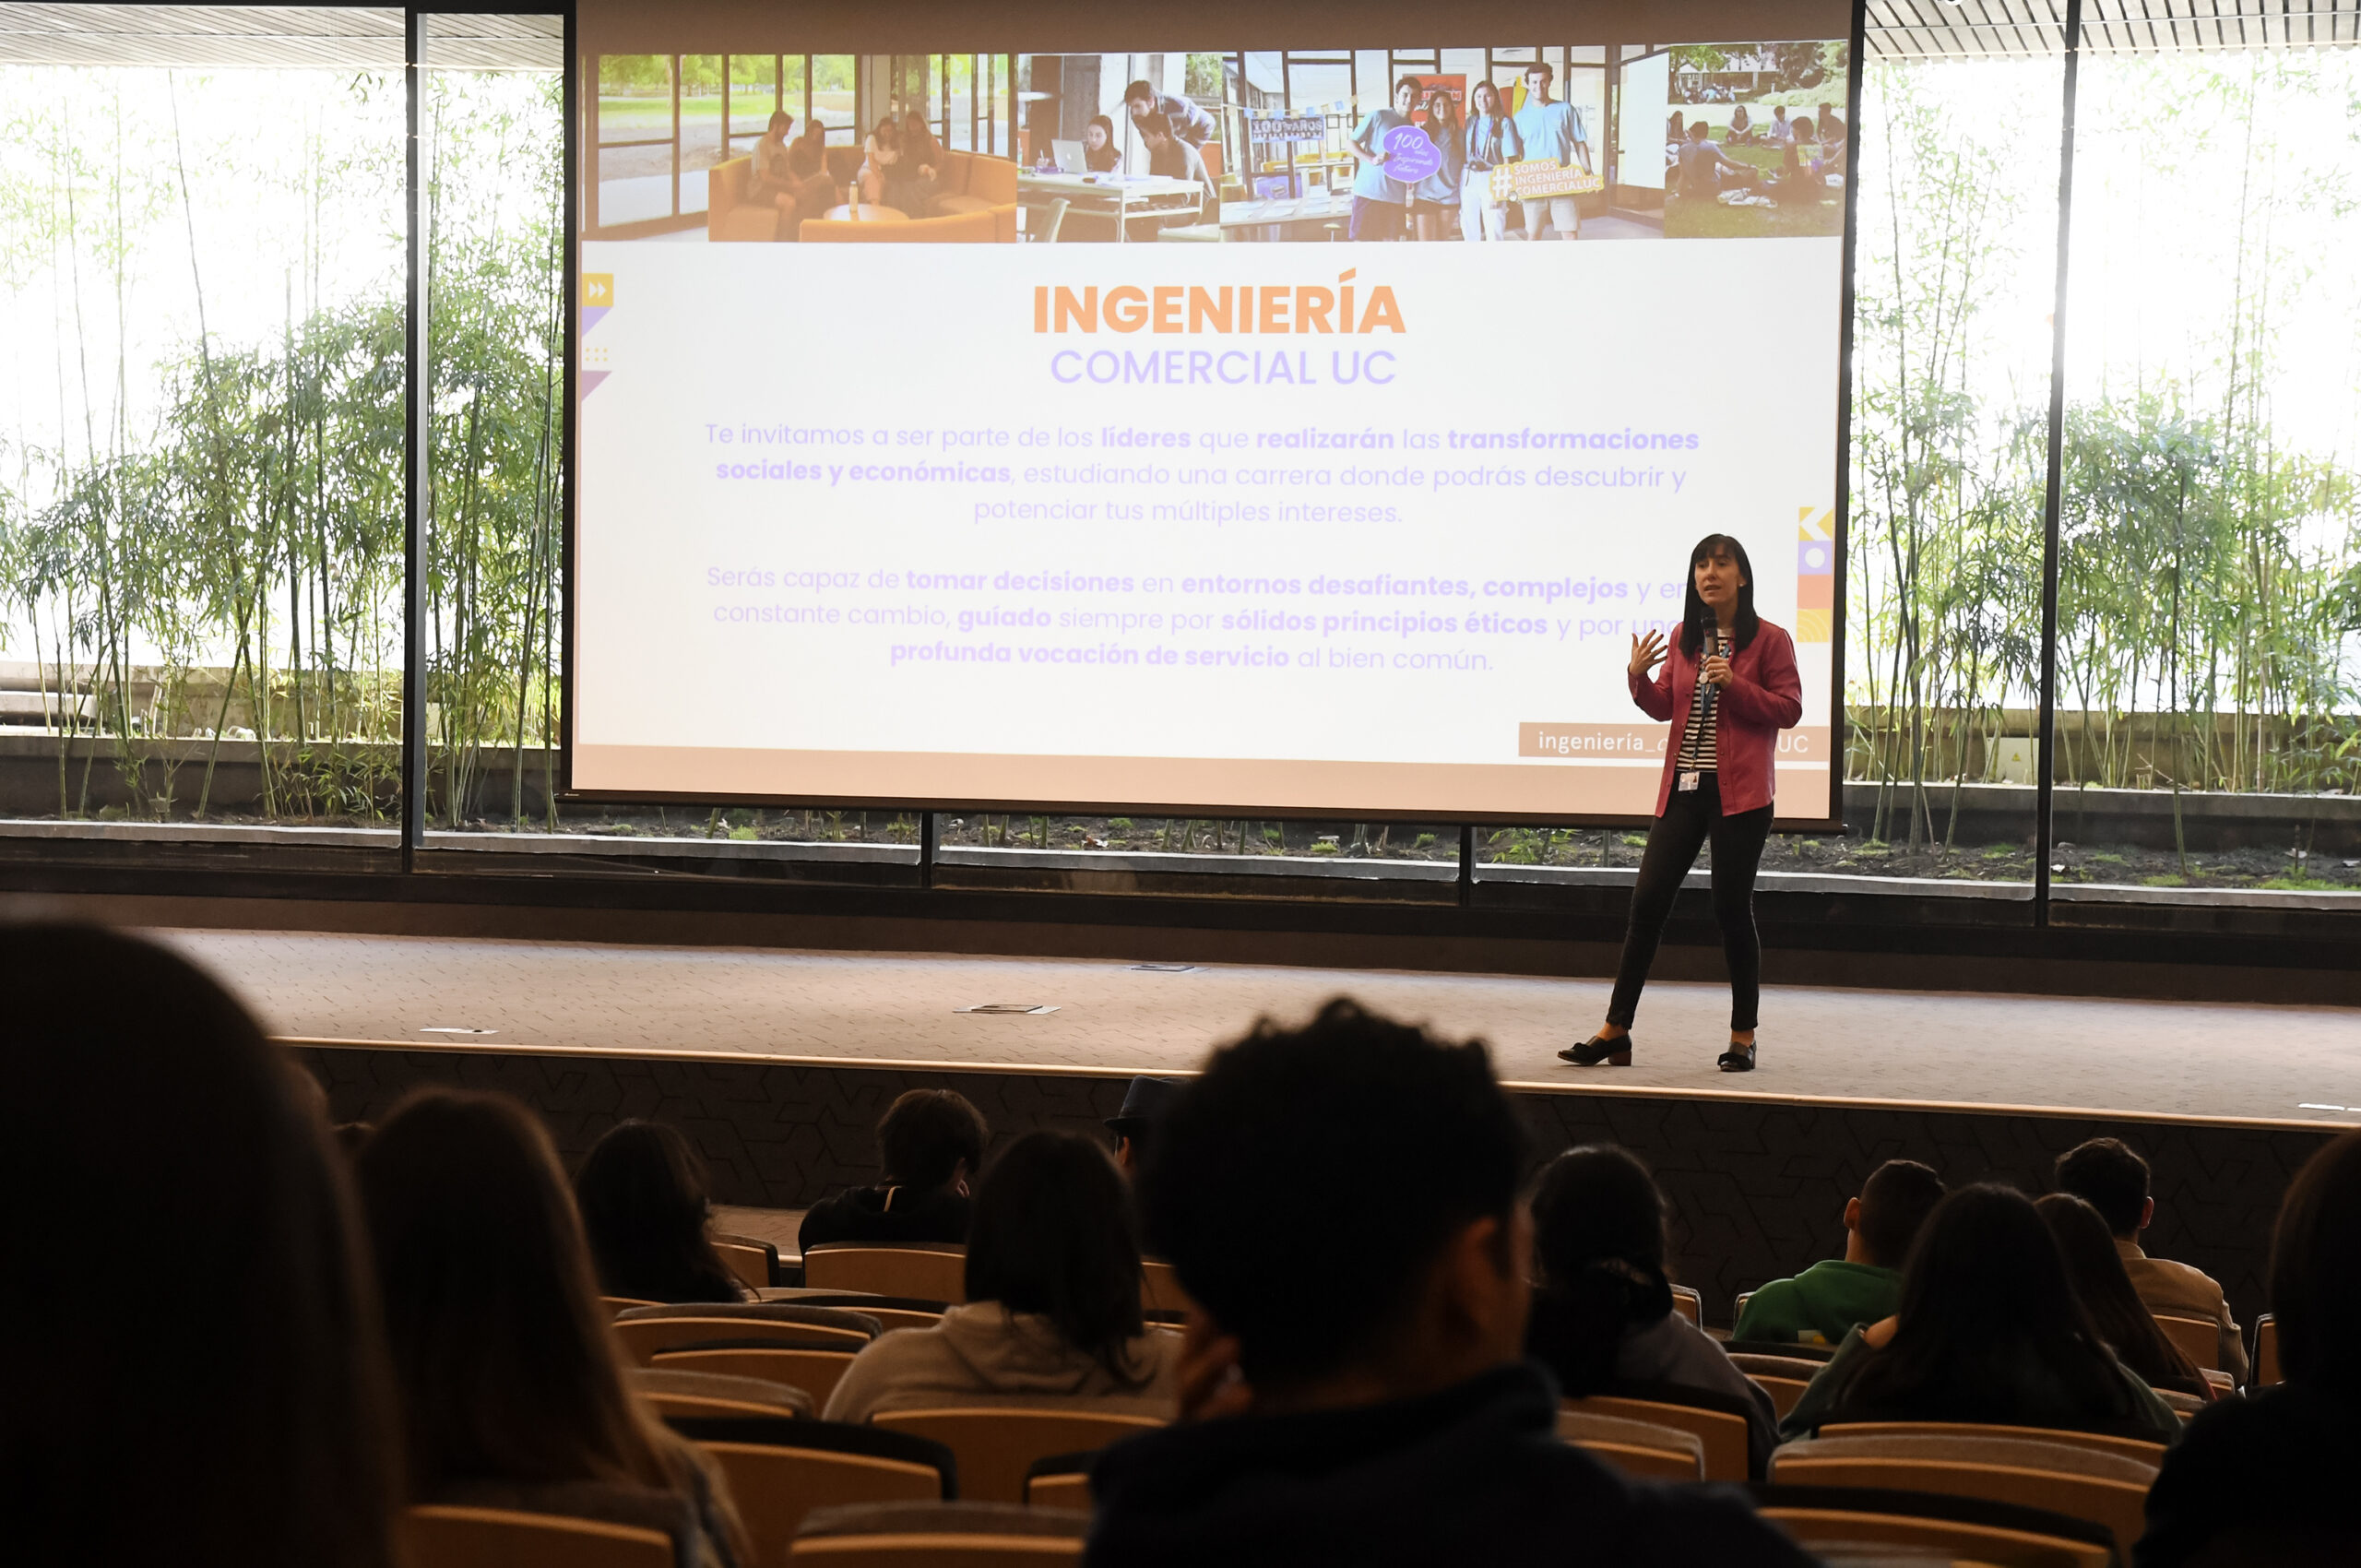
1093 406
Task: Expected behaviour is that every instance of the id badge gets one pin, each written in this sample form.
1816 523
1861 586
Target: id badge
1689 781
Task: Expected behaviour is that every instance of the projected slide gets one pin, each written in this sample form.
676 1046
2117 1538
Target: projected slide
1252 432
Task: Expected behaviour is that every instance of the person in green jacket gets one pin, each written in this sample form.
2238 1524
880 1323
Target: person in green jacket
1821 1305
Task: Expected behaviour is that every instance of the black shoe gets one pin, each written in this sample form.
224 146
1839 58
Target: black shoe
1616 1052
1738 1057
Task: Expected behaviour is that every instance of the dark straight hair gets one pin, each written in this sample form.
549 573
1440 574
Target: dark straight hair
1990 1327
242 1416
1053 1234
2121 1318
2315 1271
644 1204
1598 1240
1694 613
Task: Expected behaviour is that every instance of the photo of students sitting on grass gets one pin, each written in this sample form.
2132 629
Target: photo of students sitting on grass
1754 143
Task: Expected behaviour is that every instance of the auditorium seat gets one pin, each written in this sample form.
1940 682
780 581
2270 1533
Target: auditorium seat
1789 1351
816 1372
1060 1481
933 1272
645 1331
997 1443
2141 1449
715 1394
2199 1339
780 1471
1689 1304
439 1536
1160 1288
2266 1351
1783 1378
754 1262
1721 1433
891 1311
620 1304
943 1535
2065 1478
1852 1521
1642 1450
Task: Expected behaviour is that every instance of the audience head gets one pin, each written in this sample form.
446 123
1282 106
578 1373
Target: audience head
2108 1176
2096 1270
1145 1100
245 1419
1341 1197
1894 1202
503 1354
1053 1234
1598 1248
2315 1271
932 1139
1988 1323
644 1205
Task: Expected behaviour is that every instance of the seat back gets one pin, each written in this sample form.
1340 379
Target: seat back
2266 1351
1637 1448
749 1261
1786 1393
440 1536
1828 1520
816 1372
646 1332
1160 1288
621 1305
997 1444
936 1272
891 1311
2199 1339
2141 1449
943 1535
780 1471
1689 1304
2082 1483
689 1394
1721 1434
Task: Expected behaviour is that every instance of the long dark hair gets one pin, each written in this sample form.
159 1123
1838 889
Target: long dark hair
506 1363
1598 1242
2122 1319
252 1403
1694 613
1053 1234
2315 1271
1990 1329
643 1196
1442 123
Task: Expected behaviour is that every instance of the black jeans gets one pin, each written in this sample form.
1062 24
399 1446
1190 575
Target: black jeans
1690 817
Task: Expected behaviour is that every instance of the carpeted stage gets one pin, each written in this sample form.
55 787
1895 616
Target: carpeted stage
779 1064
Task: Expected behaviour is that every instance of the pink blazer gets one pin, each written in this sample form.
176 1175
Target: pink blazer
1763 698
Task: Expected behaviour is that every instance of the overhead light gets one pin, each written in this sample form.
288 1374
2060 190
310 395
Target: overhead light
453 1030
1007 1007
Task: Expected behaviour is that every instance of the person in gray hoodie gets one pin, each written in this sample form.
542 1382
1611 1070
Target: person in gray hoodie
1054 1300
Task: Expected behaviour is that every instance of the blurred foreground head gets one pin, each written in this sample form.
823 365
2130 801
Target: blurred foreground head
199 1376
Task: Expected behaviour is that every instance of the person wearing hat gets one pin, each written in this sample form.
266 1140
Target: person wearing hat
1143 1101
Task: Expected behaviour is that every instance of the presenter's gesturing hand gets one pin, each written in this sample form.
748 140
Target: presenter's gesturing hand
1646 654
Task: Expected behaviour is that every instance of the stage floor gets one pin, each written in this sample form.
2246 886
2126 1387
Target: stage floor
2153 1059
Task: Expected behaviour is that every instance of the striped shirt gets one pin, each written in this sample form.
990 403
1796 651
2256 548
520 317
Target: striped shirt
1697 748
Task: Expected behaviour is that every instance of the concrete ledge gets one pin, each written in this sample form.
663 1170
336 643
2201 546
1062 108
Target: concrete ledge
202 833
626 844
1154 862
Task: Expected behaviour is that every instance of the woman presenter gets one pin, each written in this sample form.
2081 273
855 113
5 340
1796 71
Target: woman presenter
1730 687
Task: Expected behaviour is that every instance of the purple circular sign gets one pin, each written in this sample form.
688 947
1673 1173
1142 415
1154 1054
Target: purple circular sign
1409 155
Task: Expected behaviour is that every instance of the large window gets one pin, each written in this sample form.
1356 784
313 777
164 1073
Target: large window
202 501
